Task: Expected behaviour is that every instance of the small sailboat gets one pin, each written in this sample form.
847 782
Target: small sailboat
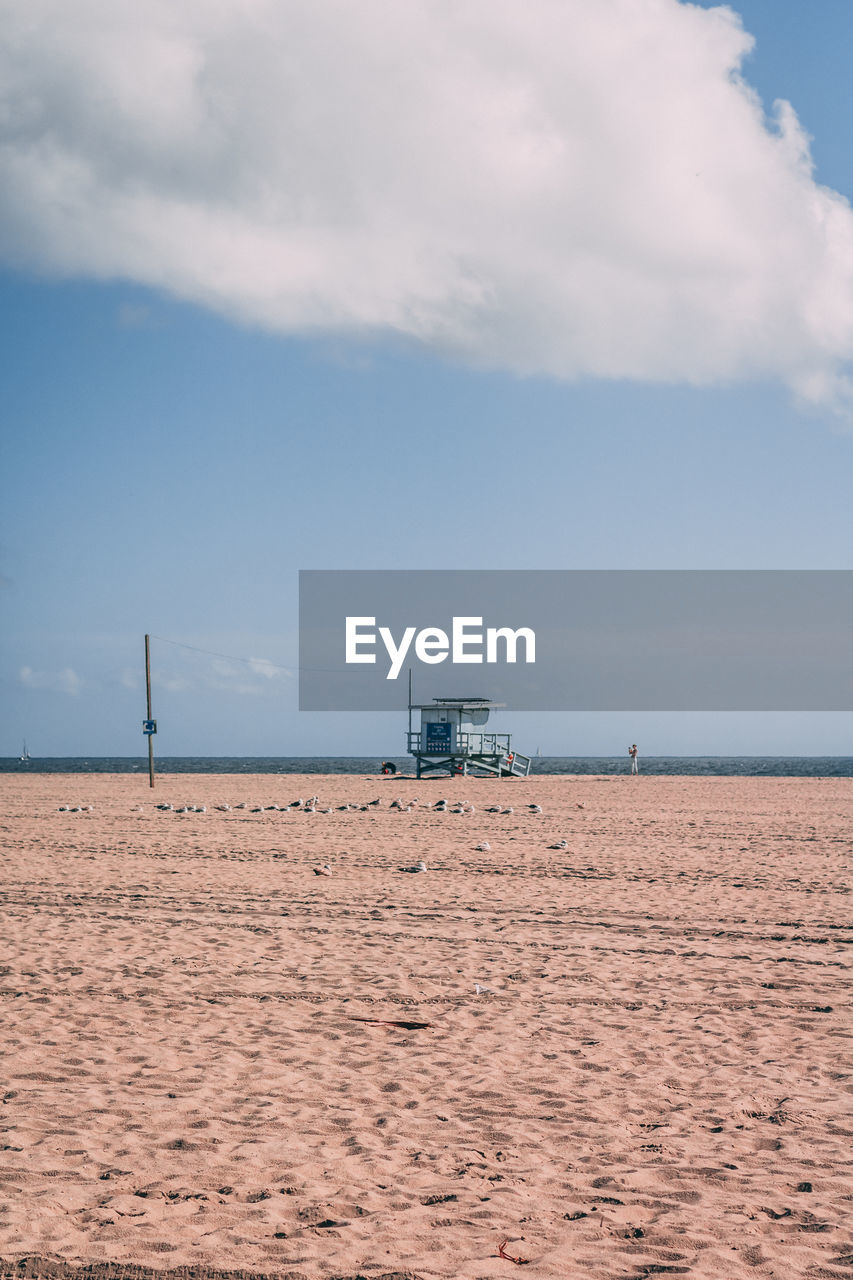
538 753
25 755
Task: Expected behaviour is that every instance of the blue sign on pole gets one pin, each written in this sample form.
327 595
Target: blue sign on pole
149 726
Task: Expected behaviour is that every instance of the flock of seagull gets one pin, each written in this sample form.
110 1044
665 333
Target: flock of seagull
311 806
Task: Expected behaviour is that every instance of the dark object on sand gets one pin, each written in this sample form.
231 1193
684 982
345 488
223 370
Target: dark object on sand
395 1022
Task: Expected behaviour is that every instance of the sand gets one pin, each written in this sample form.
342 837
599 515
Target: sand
202 1065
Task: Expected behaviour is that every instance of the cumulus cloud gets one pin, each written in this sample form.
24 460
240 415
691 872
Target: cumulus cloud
236 676
559 187
269 670
64 681
175 684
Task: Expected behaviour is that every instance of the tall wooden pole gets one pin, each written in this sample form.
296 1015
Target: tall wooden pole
150 736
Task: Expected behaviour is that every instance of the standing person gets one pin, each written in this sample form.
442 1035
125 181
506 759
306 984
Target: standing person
632 752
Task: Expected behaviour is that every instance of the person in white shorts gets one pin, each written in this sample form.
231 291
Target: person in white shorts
632 752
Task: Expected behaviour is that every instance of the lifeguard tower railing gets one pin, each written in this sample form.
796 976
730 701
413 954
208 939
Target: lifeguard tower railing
489 752
469 744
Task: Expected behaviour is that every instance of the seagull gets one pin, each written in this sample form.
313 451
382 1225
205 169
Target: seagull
420 867
484 847
535 808
224 808
296 804
508 810
481 990
494 808
581 804
325 870
561 844
241 805
373 803
63 808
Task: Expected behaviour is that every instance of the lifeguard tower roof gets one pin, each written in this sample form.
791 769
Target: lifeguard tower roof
459 704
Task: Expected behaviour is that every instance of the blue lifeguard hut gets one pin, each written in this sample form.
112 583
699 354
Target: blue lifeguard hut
452 739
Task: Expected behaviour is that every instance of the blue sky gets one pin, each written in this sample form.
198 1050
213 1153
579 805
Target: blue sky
187 423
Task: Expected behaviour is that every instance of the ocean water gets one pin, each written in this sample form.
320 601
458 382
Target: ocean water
656 766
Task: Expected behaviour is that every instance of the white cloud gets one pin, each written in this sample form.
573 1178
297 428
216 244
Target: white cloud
175 684
269 670
64 681
233 676
559 187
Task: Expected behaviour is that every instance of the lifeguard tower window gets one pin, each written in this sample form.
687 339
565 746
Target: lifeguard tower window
452 739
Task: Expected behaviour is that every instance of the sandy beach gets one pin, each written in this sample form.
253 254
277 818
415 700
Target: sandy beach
627 1057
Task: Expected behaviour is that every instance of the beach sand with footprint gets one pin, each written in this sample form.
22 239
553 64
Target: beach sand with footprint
623 1058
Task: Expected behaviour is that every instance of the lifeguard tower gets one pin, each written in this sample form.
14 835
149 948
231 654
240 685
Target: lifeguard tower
452 739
